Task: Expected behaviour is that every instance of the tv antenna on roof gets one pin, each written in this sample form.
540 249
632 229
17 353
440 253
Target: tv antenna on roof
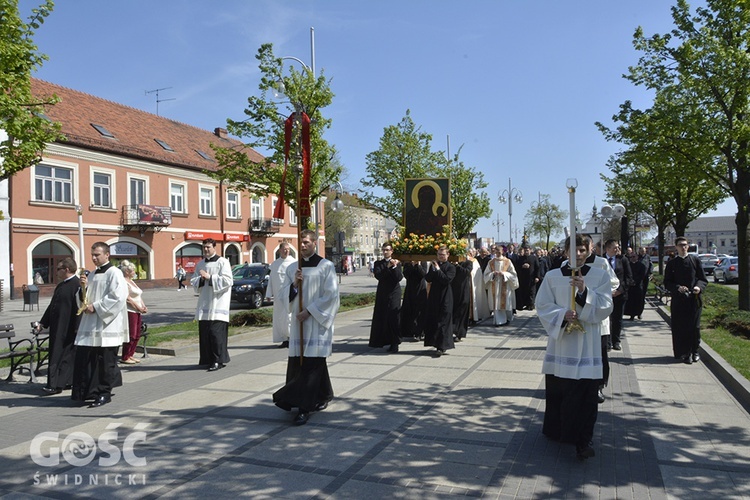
156 91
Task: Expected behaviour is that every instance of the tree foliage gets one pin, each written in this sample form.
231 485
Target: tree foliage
545 219
22 114
700 71
405 153
264 130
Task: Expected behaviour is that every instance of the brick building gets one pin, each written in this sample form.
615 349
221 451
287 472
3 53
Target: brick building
139 182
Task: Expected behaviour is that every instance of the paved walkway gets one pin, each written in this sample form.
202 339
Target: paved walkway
408 425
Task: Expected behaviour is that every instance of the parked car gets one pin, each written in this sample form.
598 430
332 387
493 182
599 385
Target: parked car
709 262
726 270
250 283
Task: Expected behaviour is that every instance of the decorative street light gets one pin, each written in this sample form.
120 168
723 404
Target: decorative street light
508 195
497 223
612 212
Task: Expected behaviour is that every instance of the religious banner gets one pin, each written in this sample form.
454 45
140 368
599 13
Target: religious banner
427 206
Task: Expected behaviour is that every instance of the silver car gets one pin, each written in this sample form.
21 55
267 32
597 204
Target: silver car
726 270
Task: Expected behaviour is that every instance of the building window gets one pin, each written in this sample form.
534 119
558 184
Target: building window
233 206
273 207
723 243
137 191
53 184
731 242
256 208
102 190
177 198
45 257
292 217
207 201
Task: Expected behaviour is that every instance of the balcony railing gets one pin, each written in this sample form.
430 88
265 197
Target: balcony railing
264 226
143 217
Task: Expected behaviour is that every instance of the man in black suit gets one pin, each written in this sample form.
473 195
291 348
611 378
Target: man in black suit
621 267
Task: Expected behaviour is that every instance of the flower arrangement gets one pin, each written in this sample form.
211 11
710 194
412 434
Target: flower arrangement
421 244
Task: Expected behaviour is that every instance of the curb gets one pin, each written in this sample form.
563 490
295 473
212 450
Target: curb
735 383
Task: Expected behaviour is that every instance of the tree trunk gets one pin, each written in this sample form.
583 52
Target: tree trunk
741 219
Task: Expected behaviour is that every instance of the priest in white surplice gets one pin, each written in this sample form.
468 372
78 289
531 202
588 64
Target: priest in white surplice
501 281
313 280
103 329
573 361
282 317
480 308
212 280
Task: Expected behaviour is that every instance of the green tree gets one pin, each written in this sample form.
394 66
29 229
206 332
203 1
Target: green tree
263 128
545 219
662 173
405 153
703 63
22 114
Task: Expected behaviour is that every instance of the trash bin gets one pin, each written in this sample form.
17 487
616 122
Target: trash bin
30 297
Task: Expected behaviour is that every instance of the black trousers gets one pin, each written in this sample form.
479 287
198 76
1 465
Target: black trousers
212 341
95 372
615 319
307 385
571 409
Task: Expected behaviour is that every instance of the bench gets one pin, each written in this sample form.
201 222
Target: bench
19 353
41 344
662 294
144 336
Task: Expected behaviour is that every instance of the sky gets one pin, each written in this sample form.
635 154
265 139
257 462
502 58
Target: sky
516 84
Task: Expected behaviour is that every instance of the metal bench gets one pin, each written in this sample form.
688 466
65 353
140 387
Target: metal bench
19 353
662 294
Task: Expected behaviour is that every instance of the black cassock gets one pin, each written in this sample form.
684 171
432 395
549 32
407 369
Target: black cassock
461 287
385 316
438 331
62 320
526 291
686 308
636 299
414 302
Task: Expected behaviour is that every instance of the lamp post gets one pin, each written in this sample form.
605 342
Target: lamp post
497 223
611 212
507 196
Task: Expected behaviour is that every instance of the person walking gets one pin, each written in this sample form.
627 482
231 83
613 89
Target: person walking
102 330
136 307
313 301
282 317
438 331
61 319
213 280
181 275
686 281
385 329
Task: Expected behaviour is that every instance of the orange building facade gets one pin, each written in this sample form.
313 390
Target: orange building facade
137 182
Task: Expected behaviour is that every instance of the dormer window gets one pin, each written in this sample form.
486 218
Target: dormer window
204 155
163 144
103 130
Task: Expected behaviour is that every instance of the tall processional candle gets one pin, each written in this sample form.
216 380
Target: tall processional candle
572 184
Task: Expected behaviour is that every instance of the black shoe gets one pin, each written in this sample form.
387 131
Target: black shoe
687 359
215 366
632 318
617 346
51 390
393 348
301 418
284 344
600 397
584 452
609 347
696 357
101 400
639 317
321 406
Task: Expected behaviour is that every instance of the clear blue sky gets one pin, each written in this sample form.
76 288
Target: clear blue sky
519 84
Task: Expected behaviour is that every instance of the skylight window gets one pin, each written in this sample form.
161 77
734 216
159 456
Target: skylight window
204 155
103 130
164 145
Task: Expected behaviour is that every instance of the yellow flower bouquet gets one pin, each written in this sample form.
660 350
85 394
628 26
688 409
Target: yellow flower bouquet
415 246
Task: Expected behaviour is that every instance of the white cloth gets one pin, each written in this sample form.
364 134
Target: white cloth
320 296
107 326
480 307
501 281
603 263
216 293
281 316
574 355
135 294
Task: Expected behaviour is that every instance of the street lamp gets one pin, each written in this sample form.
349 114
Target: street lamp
611 212
497 223
337 205
508 195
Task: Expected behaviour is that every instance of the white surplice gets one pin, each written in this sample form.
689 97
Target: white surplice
501 281
282 318
108 325
575 355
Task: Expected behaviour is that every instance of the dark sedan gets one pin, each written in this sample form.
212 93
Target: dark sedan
250 283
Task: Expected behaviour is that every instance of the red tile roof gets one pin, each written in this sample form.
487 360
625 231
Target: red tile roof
135 131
